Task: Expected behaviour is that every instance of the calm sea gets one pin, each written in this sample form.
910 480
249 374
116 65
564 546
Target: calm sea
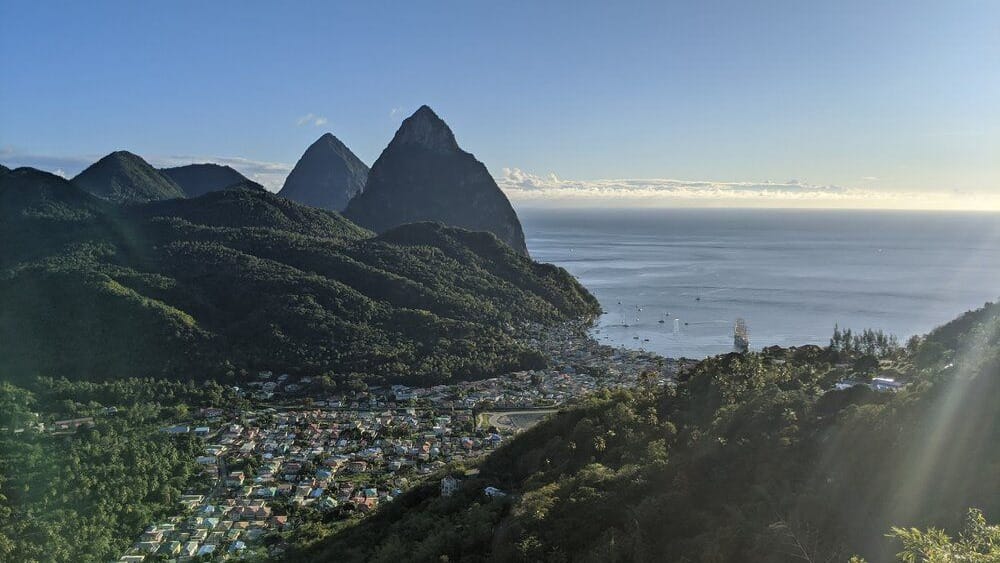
790 274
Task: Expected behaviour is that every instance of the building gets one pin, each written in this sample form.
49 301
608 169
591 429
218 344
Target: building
449 486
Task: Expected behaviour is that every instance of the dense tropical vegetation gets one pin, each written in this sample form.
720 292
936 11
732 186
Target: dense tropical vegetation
83 494
752 457
243 279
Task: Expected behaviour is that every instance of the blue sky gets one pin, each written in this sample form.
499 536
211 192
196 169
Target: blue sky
564 101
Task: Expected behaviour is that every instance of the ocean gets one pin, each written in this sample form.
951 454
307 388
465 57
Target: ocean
791 274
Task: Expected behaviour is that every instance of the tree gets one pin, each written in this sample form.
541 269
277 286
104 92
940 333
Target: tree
979 542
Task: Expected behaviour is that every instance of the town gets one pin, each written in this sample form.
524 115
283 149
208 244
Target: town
345 454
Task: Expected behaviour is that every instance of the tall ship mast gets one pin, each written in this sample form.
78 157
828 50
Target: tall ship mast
741 336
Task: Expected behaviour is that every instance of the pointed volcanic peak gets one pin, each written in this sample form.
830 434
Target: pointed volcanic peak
423 175
123 177
328 175
199 179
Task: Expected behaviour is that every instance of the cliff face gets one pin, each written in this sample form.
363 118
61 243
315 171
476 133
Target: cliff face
328 175
423 175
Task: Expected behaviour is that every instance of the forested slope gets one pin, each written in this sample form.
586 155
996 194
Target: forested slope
243 279
748 458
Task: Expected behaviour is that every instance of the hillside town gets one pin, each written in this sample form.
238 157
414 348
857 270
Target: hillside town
346 454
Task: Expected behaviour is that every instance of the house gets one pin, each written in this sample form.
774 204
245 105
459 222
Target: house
148 546
449 486
494 492
883 384
73 423
365 504
235 479
190 548
237 546
170 549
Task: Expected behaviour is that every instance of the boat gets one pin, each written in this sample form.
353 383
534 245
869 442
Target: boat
741 336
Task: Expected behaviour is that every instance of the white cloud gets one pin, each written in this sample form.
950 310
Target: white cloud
65 166
311 119
526 187
394 111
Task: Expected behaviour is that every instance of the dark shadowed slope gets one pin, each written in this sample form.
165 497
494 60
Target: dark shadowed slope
123 177
27 192
199 179
328 175
423 175
246 205
242 278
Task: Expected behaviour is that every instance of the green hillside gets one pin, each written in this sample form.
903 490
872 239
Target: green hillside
243 279
748 458
123 177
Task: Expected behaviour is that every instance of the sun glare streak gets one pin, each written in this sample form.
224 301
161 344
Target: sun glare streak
949 432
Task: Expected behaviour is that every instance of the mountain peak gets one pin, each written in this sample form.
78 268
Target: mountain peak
329 141
423 175
424 128
123 155
124 177
328 175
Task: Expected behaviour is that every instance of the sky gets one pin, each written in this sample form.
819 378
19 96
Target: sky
708 103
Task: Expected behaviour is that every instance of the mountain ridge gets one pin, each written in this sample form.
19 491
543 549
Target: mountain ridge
242 279
200 178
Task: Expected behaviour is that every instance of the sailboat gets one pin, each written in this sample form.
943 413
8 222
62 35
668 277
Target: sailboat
741 336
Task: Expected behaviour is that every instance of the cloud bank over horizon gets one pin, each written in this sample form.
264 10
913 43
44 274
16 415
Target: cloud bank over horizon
549 190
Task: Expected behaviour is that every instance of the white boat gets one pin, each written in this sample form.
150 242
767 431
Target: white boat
741 336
